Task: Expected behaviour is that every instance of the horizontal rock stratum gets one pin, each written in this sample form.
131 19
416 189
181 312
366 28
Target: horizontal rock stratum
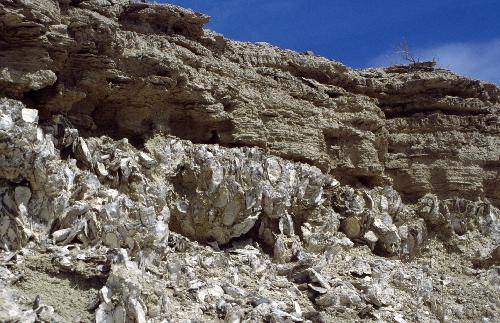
153 170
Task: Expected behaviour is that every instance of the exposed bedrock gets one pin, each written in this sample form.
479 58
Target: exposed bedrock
99 190
74 209
152 170
132 70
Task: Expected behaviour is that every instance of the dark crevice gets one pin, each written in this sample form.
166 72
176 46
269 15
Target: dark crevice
380 251
366 181
251 236
200 131
333 94
310 73
413 91
235 145
229 106
35 99
398 111
214 137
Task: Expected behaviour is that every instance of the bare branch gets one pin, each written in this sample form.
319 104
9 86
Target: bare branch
404 50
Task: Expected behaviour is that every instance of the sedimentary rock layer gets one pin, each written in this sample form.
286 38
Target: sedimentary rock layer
132 70
153 170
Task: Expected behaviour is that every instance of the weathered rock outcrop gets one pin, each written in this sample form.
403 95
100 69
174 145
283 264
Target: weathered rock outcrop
153 170
130 70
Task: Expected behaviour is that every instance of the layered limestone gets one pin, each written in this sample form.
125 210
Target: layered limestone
153 170
132 69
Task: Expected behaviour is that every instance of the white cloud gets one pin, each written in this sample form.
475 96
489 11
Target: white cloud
476 60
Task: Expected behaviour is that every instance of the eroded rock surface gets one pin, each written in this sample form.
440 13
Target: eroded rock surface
152 170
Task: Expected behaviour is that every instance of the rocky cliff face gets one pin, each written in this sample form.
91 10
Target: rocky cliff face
151 169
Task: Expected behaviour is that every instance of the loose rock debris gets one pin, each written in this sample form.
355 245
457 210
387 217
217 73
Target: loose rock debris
178 226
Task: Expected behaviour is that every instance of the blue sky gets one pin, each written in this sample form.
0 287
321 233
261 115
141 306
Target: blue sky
462 35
